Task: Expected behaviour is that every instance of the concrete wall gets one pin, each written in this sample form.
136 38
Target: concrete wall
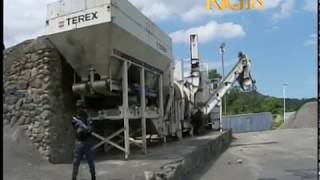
38 97
248 122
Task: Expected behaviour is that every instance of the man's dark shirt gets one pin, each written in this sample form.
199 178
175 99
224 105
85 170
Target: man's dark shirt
82 133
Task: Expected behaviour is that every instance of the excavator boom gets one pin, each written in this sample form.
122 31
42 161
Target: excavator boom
241 72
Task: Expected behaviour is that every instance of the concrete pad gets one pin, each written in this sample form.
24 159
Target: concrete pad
175 160
286 154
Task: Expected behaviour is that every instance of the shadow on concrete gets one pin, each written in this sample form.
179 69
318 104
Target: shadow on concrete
254 144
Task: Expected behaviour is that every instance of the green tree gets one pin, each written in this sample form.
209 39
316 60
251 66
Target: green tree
213 74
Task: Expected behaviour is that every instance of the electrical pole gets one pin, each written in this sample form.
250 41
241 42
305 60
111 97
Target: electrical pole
284 101
222 50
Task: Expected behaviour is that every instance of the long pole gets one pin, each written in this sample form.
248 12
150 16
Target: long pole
222 59
225 97
220 113
284 102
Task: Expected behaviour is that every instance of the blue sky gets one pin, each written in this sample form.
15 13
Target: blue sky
282 47
280 40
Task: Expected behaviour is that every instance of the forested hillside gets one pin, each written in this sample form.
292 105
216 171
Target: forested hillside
239 102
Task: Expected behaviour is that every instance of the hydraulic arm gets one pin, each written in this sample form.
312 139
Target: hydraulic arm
241 73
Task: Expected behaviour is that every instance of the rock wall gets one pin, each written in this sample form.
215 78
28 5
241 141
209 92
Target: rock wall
38 96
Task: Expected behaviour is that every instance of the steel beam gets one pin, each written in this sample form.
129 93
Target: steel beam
143 111
161 106
109 142
121 140
125 108
108 138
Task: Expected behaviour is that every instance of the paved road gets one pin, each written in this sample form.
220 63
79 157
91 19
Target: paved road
288 154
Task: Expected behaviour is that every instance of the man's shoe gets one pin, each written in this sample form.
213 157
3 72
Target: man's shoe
93 177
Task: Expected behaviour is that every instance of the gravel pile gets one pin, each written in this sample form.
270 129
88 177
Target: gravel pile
306 117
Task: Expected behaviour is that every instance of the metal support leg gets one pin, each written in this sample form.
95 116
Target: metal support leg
107 139
143 109
161 105
122 139
179 120
220 124
125 109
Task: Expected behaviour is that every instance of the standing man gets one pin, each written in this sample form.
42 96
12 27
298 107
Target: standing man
197 122
83 129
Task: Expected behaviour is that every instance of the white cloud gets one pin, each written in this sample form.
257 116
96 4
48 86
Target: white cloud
286 8
208 32
153 9
199 12
186 10
311 41
310 6
23 20
272 3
